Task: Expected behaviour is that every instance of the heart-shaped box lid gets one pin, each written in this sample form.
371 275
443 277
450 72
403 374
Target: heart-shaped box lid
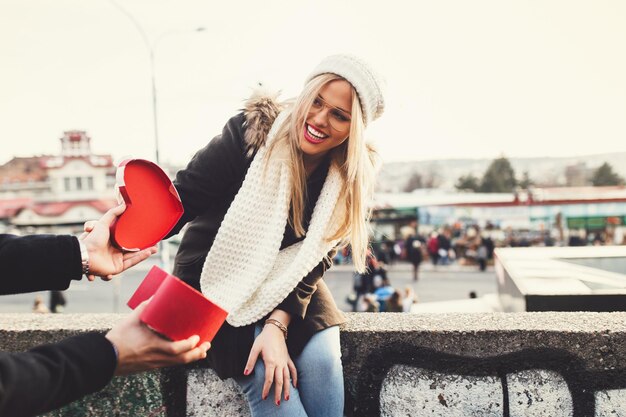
153 206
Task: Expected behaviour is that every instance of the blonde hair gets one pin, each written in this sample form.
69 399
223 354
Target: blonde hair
356 161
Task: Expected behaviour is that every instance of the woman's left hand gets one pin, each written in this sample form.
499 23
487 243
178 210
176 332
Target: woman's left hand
272 347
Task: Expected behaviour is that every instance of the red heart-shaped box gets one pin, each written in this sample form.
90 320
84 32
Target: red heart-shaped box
153 206
176 310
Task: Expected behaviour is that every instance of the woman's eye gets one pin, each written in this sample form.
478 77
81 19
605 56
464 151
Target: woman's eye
340 116
317 103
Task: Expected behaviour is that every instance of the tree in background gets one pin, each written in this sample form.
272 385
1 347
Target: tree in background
605 175
499 177
526 182
415 181
432 179
467 183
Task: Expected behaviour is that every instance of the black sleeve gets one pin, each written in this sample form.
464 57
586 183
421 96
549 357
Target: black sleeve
37 263
54 375
297 302
212 171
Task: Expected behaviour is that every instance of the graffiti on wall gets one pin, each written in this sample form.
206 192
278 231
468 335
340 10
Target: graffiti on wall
407 380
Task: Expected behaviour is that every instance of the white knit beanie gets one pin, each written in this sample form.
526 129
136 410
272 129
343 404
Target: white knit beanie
363 78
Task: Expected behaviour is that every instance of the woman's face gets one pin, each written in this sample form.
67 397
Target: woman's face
328 123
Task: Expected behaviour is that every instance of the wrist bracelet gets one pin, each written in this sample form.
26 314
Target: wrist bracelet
278 324
84 255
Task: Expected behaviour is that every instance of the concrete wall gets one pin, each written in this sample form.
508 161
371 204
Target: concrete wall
500 364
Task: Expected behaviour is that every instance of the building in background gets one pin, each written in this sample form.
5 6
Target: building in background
562 211
57 193
577 175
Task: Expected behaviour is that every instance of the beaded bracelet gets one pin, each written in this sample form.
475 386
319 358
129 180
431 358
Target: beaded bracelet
278 324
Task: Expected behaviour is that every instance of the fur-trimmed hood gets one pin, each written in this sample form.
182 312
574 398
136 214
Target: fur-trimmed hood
260 111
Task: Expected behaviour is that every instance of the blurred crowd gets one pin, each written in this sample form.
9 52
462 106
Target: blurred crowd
473 245
467 245
443 246
373 292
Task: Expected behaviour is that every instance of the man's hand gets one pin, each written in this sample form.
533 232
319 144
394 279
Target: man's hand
140 349
105 260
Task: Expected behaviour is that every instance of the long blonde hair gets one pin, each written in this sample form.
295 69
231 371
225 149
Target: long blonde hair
356 161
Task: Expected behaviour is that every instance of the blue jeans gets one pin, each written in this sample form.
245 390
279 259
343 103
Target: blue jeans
320 381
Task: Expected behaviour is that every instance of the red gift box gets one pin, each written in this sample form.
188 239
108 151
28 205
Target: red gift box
176 310
153 206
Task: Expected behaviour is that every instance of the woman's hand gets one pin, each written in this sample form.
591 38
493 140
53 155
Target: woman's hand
272 347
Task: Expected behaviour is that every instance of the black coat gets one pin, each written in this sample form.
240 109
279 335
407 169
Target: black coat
207 186
52 375
413 247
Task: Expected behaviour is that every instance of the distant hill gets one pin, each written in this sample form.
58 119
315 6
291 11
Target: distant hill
543 171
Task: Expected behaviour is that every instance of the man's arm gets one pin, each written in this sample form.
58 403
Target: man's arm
36 263
53 375
50 262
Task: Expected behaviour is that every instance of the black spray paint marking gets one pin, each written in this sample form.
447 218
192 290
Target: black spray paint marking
581 383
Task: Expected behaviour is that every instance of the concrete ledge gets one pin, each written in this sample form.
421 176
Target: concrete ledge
500 364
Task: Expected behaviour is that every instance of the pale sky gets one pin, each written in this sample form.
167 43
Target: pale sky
464 78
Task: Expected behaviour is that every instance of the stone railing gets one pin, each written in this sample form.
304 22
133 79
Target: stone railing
497 364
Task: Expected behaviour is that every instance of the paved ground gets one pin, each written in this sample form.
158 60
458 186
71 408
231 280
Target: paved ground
440 284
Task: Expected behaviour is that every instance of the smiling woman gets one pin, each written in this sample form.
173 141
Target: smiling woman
269 201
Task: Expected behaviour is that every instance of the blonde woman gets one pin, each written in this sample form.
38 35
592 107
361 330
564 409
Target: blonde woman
268 201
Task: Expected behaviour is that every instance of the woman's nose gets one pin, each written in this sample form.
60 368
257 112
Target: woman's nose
321 118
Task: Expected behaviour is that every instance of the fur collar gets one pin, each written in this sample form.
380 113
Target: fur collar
260 111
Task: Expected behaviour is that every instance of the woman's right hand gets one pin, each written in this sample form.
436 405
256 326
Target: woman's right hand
272 347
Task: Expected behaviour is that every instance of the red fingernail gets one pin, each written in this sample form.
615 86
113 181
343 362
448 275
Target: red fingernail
246 372
278 402
287 398
264 398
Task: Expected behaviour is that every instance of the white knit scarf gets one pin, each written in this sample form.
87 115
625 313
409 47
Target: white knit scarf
245 271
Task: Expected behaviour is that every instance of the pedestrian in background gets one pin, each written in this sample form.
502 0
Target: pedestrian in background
433 248
383 293
409 299
57 301
39 306
413 247
394 303
481 255
370 305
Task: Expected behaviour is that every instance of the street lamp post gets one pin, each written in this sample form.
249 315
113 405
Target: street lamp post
150 47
